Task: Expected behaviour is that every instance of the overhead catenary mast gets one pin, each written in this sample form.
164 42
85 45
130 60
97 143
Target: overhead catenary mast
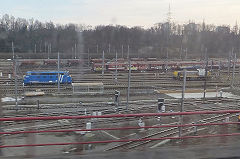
233 72
45 47
35 48
182 101
88 58
15 75
58 73
75 56
206 74
109 48
13 53
169 14
129 78
103 66
116 67
122 51
48 50
169 19
97 49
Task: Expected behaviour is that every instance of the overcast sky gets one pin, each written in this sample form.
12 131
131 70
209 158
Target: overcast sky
124 12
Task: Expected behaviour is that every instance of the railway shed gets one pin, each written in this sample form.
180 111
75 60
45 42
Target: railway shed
93 88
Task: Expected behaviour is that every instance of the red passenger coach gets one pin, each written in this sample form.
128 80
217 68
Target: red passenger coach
156 65
151 59
74 62
172 65
50 62
112 66
27 63
142 66
98 60
137 59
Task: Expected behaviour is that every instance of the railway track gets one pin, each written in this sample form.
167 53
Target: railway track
139 86
137 105
111 110
144 103
169 132
140 81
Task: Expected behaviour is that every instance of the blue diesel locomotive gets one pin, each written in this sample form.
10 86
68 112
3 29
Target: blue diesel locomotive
46 77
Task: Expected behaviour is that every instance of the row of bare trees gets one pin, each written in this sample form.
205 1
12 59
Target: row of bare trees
161 40
34 36
165 39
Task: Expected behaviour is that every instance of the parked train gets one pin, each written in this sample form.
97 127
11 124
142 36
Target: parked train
198 74
143 66
137 64
47 77
152 64
49 62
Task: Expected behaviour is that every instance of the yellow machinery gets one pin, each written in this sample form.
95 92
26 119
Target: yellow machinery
238 121
198 74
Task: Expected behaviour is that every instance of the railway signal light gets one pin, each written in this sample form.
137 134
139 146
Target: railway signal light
117 94
141 124
88 126
161 106
38 105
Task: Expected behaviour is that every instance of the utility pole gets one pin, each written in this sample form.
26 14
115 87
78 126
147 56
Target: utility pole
233 73
40 49
15 76
186 53
109 48
122 51
211 65
182 50
97 49
58 74
16 86
35 48
45 47
229 64
182 102
129 78
219 68
48 50
13 51
88 59
202 51
116 67
75 56
72 52
166 65
103 62
206 73
180 53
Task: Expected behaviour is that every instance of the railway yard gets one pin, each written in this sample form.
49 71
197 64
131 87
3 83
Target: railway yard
146 88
